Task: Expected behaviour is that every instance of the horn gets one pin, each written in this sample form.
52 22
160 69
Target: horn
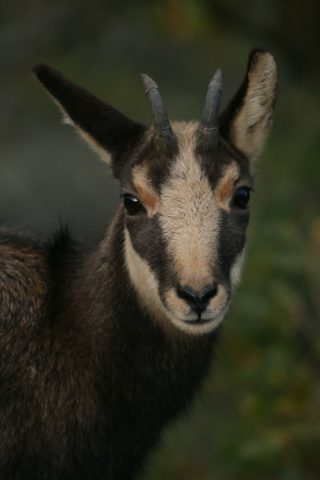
210 114
160 118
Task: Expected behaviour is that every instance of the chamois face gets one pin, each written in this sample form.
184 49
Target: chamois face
185 189
186 213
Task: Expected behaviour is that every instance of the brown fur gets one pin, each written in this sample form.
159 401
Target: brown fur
146 193
226 185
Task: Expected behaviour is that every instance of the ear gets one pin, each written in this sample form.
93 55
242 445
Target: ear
247 121
108 131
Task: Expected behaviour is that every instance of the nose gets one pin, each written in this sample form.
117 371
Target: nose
198 301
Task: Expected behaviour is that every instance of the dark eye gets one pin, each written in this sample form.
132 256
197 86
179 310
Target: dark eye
132 204
241 198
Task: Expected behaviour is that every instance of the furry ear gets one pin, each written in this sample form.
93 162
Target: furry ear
108 131
247 121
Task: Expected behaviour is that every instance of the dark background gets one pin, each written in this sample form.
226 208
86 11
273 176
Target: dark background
259 415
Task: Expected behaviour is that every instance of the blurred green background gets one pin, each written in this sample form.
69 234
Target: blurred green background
258 416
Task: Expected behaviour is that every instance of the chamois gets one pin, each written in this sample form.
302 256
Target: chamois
100 348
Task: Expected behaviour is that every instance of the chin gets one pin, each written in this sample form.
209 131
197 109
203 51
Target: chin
192 325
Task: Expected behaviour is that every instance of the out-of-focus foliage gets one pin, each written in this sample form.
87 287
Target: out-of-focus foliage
259 415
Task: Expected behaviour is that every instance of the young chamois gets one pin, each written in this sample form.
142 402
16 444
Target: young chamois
101 348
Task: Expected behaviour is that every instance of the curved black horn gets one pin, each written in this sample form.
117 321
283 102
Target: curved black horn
210 114
160 117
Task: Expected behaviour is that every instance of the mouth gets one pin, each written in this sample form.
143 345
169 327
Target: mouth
198 321
195 326
200 324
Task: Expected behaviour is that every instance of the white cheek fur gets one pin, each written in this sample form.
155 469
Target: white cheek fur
236 269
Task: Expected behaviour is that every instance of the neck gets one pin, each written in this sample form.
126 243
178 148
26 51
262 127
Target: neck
142 373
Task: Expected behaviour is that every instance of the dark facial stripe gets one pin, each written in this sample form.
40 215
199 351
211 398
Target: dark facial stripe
214 162
148 241
157 159
231 241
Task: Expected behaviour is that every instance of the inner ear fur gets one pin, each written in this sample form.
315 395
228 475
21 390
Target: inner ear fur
247 121
108 131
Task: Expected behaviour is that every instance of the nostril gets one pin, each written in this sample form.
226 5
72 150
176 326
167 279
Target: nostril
208 293
187 294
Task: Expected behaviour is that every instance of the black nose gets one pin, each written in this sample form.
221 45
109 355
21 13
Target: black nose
198 301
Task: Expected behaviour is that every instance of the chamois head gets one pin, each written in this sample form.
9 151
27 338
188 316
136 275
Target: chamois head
185 188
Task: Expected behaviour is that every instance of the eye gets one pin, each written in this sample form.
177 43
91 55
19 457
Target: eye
132 204
241 198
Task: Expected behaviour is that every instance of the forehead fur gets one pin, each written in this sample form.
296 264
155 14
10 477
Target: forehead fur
190 168
148 176
186 134
155 168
